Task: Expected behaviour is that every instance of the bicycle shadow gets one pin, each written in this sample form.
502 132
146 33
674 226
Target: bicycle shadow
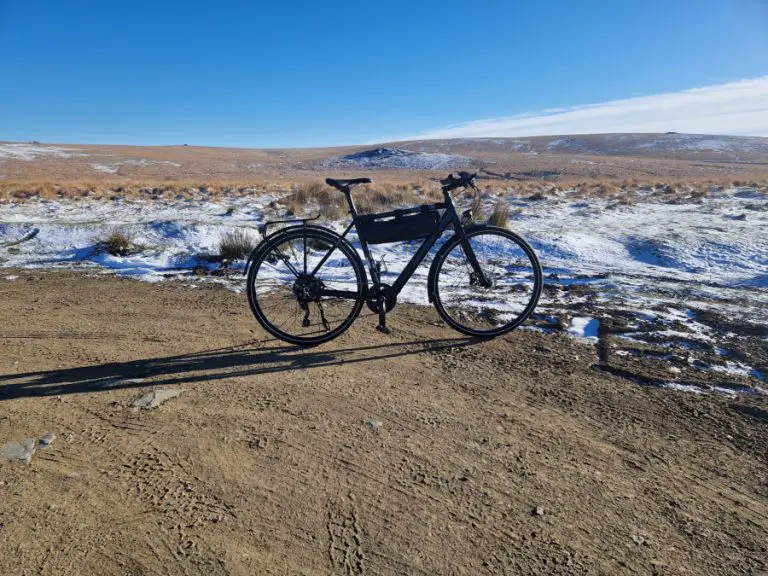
251 359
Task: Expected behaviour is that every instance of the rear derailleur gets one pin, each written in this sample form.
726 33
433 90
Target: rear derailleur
307 289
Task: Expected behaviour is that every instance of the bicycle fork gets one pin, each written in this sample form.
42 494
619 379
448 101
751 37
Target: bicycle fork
477 270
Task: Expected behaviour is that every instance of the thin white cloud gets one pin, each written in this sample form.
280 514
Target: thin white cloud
736 108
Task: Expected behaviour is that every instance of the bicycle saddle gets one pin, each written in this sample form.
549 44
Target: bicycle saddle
343 185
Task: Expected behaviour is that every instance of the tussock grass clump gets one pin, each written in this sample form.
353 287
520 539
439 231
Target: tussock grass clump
477 208
314 198
236 245
381 197
500 214
118 243
315 192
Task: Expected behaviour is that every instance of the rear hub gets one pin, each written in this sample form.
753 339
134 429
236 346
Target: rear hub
307 288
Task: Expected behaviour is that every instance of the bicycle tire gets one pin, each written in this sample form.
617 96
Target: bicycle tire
451 314
313 236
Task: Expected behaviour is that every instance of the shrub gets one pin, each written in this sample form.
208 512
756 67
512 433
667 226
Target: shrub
500 214
236 245
118 243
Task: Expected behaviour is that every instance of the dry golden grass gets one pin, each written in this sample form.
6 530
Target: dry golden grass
330 204
500 214
166 189
313 197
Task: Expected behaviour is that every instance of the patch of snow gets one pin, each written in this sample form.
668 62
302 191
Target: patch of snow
104 168
11 278
143 162
710 144
585 327
684 388
735 368
115 166
396 158
30 152
560 143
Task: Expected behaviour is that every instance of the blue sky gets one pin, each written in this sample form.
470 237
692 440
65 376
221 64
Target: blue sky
274 74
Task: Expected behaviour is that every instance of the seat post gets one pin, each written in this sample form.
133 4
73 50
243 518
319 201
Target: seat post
352 209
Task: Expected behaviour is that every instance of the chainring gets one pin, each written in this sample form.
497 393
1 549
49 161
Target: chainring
376 291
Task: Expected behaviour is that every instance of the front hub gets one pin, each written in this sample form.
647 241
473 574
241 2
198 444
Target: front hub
475 280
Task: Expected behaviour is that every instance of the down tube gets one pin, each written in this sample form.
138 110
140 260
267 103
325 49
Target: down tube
417 258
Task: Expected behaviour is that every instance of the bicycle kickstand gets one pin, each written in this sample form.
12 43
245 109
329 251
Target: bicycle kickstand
382 327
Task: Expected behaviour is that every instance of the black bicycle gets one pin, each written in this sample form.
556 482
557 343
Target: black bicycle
307 283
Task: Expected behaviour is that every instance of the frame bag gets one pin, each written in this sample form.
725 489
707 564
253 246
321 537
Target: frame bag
398 226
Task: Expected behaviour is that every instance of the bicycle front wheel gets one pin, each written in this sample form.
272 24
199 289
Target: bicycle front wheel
515 277
297 303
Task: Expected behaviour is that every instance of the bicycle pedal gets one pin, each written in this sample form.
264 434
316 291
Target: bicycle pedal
384 329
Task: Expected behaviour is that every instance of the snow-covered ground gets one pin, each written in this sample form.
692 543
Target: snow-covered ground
31 152
176 236
624 143
726 147
113 167
662 269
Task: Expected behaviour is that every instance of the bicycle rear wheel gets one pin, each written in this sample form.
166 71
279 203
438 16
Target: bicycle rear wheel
295 304
485 312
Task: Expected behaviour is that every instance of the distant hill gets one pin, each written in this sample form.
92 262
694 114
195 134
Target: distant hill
684 146
589 156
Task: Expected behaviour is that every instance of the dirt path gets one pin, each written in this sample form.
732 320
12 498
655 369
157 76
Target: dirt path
508 457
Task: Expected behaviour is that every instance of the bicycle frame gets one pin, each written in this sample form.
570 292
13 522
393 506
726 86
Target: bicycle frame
449 218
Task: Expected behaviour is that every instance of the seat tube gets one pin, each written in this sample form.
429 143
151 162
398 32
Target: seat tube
352 208
371 265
